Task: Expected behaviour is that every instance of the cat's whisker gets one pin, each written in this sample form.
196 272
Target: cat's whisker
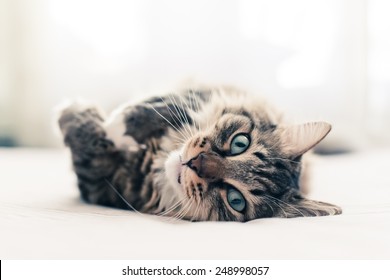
185 209
172 125
207 119
180 114
197 109
273 211
286 159
191 107
176 119
197 101
288 204
167 120
171 113
170 209
188 210
178 139
183 102
170 218
121 196
177 142
194 216
277 204
182 209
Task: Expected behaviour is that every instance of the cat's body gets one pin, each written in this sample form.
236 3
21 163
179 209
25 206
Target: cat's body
198 155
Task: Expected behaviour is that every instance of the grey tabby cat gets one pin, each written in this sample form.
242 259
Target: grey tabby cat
199 155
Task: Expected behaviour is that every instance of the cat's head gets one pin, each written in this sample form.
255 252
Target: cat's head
243 165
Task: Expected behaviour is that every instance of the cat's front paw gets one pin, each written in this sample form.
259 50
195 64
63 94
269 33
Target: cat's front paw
77 112
81 126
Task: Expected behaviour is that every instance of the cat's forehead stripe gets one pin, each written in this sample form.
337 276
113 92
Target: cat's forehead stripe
228 130
231 123
260 156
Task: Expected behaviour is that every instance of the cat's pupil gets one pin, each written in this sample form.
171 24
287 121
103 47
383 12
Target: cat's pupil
240 145
235 201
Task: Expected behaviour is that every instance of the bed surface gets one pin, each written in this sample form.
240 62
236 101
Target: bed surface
42 217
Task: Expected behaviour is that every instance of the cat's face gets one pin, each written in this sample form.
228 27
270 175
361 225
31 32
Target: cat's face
243 167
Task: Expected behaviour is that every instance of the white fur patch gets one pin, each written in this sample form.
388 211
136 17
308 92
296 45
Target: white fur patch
173 169
115 128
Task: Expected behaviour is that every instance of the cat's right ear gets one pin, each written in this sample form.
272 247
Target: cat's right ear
298 139
303 207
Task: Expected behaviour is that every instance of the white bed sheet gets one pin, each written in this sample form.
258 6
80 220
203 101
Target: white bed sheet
42 217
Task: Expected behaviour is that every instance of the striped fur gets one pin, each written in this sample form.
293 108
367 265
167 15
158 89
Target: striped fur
143 157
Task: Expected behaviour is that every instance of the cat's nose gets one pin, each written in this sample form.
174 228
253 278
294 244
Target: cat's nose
196 163
206 165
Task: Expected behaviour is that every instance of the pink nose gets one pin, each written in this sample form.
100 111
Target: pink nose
196 163
207 165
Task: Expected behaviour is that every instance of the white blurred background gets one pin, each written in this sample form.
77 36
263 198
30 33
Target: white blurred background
315 59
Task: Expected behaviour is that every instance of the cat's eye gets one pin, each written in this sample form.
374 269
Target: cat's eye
236 199
239 144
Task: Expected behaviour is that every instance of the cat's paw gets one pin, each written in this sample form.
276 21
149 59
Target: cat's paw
77 112
82 129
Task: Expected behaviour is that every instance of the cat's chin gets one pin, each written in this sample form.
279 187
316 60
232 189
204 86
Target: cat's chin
173 170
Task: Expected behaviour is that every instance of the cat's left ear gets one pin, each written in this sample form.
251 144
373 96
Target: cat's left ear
298 139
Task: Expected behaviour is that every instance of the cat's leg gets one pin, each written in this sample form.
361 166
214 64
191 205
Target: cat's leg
151 118
81 126
95 158
135 124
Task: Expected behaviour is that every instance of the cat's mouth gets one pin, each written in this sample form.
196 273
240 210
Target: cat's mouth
179 170
179 178
174 168
181 166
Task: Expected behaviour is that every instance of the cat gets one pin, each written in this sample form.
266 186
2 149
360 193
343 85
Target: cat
198 155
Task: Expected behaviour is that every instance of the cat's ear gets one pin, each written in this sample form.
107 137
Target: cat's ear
303 207
298 139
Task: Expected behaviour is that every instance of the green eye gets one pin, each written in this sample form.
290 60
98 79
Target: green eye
239 144
236 200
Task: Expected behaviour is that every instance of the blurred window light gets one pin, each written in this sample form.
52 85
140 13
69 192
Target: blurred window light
306 29
310 56
379 40
111 28
378 99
